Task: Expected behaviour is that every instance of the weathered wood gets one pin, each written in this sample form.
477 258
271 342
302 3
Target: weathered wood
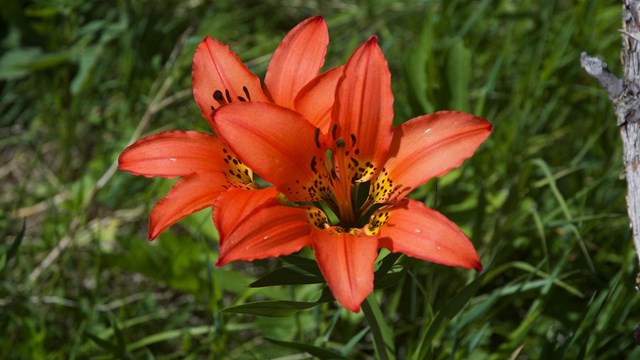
625 96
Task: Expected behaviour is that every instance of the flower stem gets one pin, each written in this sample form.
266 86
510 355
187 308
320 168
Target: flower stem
382 333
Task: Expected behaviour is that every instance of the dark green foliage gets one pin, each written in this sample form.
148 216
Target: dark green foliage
542 199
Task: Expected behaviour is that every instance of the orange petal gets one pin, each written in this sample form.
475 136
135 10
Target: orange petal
190 194
276 143
253 225
297 60
173 153
363 109
315 100
426 234
346 262
429 146
219 77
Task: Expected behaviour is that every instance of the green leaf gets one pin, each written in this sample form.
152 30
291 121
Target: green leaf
169 335
380 330
308 265
14 246
16 243
310 349
13 64
287 275
271 308
459 75
416 67
451 309
386 276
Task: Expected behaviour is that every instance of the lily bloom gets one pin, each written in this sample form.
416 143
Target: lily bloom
341 189
208 166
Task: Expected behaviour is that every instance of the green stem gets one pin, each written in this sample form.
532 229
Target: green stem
382 333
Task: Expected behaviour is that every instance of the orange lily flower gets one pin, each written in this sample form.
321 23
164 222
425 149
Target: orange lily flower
345 184
208 166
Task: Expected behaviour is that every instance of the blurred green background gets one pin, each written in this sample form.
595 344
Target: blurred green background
543 199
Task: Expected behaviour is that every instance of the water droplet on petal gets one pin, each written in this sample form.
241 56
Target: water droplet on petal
418 231
172 159
266 237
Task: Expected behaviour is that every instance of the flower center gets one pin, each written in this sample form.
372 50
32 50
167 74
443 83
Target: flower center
344 186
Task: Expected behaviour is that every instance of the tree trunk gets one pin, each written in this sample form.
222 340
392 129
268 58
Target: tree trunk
625 95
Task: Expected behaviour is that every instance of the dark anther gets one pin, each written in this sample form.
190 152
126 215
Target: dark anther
313 164
340 143
241 98
316 134
333 130
246 92
217 95
226 92
353 140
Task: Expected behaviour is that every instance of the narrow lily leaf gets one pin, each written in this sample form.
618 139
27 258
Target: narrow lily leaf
271 308
348 347
287 275
308 265
385 277
459 75
310 349
451 309
169 335
16 243
417 68
382 334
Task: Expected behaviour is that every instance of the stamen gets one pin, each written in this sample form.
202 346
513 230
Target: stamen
316 134
226 92
246 92
313 165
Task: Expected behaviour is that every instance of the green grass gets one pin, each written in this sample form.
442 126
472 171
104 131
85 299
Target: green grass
542 200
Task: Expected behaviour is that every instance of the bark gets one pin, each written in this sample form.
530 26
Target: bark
625 95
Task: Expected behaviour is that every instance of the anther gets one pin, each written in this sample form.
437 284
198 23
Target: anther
226 92
316 134
246 92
